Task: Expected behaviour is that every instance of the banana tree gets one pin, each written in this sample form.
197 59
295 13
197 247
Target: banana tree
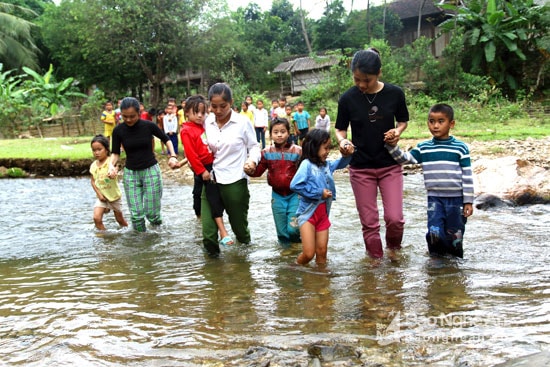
497 36
52 96
48 97
12 100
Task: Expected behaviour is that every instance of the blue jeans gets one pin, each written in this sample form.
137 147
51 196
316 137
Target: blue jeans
284 213
174 140
260 135
446 226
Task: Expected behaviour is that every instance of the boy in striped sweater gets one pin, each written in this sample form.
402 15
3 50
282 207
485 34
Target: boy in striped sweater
448 179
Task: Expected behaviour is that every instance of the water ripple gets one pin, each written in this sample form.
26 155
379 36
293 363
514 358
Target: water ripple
72 296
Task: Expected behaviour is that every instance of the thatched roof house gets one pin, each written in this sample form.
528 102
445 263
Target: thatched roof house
303 72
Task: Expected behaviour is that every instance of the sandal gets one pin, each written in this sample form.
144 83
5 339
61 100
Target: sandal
226 241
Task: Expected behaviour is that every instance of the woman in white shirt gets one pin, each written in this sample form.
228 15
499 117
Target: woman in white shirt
232 140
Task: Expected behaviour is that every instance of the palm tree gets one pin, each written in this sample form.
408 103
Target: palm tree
17 48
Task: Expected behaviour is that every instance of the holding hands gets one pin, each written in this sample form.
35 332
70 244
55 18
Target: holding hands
173 162
391 137
113 171
346 147
206 176
249 167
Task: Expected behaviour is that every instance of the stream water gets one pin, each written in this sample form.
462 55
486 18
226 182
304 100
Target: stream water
72 296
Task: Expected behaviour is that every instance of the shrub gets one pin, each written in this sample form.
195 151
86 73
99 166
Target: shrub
15 172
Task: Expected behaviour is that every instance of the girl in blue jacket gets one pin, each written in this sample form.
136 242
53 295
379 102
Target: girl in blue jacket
315 185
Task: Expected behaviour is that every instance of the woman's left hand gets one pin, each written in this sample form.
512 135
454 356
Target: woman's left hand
174 163
392 137
113 172
346 147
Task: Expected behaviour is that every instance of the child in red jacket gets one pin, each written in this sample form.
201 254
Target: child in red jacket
200 159
281 160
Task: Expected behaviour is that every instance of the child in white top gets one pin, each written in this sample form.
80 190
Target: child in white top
261 121
322 121
170 122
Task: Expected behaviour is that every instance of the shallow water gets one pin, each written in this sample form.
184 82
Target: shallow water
72 296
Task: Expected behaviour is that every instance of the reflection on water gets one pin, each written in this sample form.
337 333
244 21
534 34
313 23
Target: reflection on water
70 296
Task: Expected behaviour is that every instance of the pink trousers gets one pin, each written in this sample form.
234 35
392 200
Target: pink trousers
365 183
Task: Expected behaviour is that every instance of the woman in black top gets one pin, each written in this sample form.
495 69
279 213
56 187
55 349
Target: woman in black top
373 108
142 176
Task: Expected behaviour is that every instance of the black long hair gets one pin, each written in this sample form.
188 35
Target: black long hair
367 61
279 121
311 145
128 102
103 141
193 103
221 89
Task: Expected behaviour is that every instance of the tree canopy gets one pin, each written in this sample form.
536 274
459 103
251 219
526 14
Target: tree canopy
17 45
133 46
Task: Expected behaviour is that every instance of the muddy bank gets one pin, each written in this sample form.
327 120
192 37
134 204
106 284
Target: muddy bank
48 167
535 151
41 168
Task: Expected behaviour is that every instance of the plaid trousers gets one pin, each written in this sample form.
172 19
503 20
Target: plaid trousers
143 194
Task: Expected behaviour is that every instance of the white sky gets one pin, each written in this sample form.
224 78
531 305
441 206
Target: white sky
314 8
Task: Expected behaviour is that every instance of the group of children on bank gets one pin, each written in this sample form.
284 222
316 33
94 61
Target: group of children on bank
171 118
301 177
298 118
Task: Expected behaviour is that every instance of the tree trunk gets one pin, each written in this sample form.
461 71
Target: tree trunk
39 130
384 21
420 18
368 21
304 30
155 94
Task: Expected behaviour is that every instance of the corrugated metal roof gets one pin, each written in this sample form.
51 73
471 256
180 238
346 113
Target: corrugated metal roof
306 63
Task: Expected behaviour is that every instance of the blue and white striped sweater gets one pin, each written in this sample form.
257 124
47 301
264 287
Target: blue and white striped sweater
445 164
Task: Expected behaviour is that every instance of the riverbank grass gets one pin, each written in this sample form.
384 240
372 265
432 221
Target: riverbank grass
72 148
468 128
14 172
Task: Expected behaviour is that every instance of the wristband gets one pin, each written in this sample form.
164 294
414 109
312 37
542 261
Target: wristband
173 156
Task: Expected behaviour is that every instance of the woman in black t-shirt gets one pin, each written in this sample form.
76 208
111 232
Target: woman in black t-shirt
372 108
142 177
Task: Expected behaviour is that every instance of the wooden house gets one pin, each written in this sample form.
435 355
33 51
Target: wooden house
431 17
192 79
301 73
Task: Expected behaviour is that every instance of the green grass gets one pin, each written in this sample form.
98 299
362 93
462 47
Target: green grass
479 124
474 121
72 148
48 148
467 130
